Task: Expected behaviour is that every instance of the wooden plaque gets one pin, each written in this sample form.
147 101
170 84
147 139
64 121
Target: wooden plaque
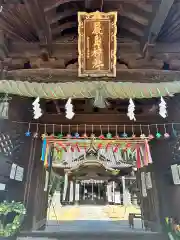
97 44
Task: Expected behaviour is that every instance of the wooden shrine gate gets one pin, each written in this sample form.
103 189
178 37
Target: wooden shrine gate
26 153
22 174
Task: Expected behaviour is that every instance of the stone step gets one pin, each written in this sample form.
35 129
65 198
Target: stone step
94 236
117 235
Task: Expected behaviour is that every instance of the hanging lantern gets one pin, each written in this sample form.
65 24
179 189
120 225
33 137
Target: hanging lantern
101 136
150 136
84 135
69 136
28 134
60 135
124 135
108 135
166 135
76 135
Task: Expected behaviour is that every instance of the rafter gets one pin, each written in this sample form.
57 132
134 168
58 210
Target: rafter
58 3
58 30
63 15
157 23
38 18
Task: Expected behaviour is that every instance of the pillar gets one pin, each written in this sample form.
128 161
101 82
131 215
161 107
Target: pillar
71 192
92 190
109 192
65 186
113 192
124 189
77 193
164 154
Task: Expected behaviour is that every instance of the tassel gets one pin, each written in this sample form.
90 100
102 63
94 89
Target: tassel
125 155
46 157
4 108
43 149
138 158
148 152
49 157
77 146
129 153
72 149
145 158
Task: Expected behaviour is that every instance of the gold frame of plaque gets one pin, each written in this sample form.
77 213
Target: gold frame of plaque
97 44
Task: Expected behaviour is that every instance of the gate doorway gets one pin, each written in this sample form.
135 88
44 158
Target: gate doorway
93 192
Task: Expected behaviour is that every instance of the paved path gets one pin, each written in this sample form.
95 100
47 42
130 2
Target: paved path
90 212
90 222
90 216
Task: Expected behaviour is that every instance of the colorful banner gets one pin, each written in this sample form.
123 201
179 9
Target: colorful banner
97 44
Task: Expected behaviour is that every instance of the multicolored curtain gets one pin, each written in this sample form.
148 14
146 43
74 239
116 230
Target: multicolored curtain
47 153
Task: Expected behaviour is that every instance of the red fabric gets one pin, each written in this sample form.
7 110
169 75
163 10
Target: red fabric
63 146
108 146
77 146
99 145
116 148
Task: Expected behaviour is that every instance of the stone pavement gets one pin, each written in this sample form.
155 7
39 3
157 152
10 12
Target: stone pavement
81 217
90 212
92 222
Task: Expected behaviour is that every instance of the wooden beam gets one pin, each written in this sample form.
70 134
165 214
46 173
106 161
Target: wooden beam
65 47
96 122
157 22
3 46
71 75
38 18
57 3
100 119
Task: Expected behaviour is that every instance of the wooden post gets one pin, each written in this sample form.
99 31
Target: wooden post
164 154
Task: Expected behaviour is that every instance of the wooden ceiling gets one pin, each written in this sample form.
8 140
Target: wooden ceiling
44 21
43 33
